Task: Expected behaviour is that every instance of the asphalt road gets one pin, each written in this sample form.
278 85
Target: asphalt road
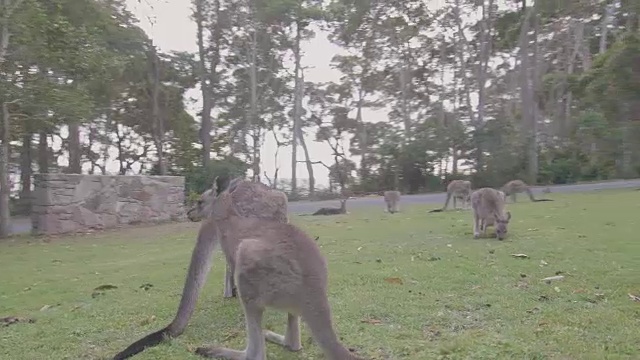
300 207
23 225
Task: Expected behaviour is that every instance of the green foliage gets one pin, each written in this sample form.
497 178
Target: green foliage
198 179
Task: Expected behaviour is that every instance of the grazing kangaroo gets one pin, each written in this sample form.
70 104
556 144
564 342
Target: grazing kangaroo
275 265
251 199
458 189
513 187
333 211
392 200
489 210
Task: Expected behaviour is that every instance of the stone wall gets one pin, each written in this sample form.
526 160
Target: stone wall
67 203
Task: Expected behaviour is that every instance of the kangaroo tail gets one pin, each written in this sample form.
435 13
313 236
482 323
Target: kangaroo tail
150 340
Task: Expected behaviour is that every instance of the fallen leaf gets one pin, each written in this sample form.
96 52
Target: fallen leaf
105 287
521 256
371 321
543 263
45 307
634 297
394 280
549 279
579 291
533 229
360 248
146 286
557 289
10 320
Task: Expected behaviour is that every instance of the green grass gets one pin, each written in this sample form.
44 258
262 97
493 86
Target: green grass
460 298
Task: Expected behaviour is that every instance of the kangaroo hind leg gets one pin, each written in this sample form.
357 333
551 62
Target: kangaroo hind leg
249 274
256 348
291 339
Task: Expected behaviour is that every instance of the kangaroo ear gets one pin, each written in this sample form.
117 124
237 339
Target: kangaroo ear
233 184
214 185
222 183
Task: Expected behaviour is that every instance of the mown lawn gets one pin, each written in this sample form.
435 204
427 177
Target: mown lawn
406 286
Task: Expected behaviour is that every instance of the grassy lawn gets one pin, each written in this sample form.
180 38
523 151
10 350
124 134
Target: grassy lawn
406 286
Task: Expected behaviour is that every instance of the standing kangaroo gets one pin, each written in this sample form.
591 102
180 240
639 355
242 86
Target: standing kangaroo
489 210
333 211
251 199
274 264
458 189
513 187
392 200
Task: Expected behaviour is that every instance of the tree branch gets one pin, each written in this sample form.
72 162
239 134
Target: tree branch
315 163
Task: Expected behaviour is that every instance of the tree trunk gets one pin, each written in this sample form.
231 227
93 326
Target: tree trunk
312 179
205 88
303 143
460 46
405 81
26 171
157 121
483 65
253 115
75 153
526 96
535 109
43 152
297 109
362 134
456 119
5 191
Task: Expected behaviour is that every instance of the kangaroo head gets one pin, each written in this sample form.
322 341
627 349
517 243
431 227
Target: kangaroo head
202 207
501 225
209 202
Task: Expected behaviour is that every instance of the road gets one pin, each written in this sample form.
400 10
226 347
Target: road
299 207
23 225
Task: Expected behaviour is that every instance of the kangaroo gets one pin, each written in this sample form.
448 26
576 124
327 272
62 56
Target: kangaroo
333 211
458 189
489 210
392 200
251 199
275 265
513 187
